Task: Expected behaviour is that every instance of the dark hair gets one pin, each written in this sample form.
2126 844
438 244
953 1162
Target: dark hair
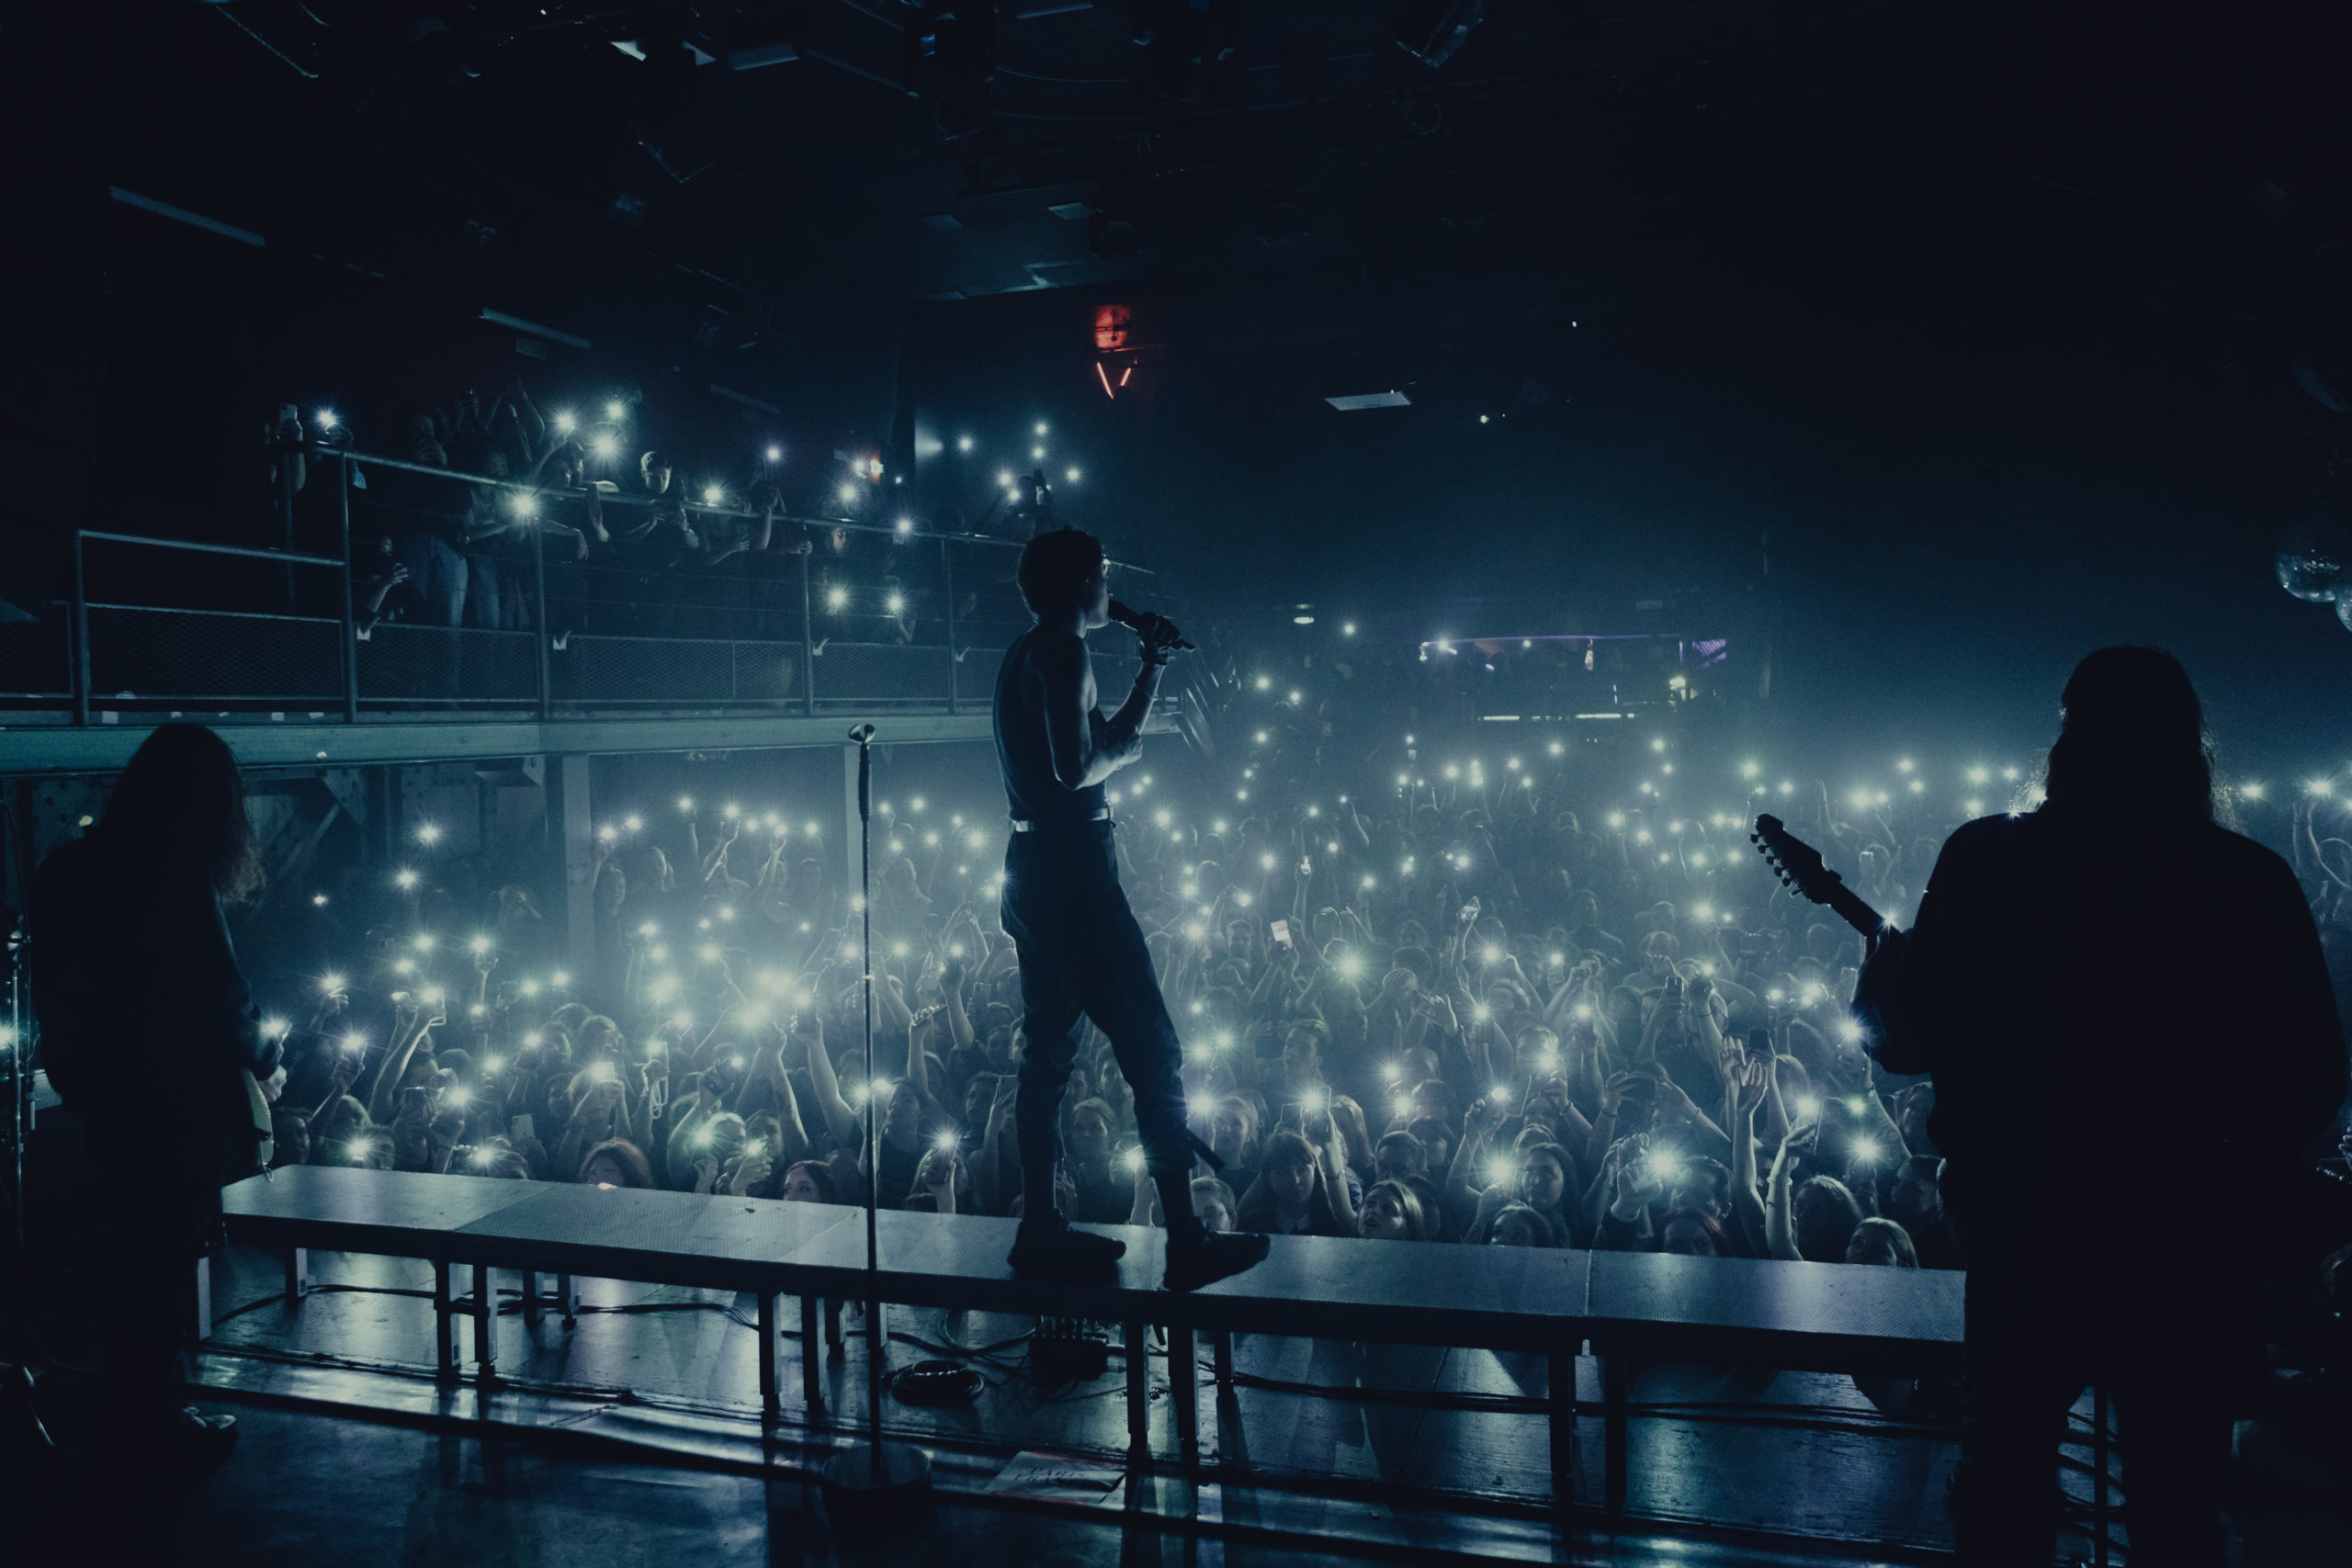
1540 1227
636 1170
2132 734
181 794
1548 1149
1211 1187
1824 1240
1408 1203
1711 1227
1712 1169
1905 1255
1283 1148
1054 569
820 1176
1414 1153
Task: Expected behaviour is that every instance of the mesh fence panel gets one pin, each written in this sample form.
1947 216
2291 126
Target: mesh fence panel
438 663
878 673
37 657
767 671
976 676
644 670
216 656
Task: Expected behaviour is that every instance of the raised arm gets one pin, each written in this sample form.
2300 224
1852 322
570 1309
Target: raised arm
1780 1232
409 1027
840 1120
951 989
1740 1100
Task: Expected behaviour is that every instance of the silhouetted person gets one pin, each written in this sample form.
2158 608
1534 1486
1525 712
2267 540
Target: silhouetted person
2061 1074
149 1031
1082 954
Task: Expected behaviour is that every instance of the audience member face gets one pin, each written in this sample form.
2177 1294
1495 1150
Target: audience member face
1292 1183
1228 1132
1543 1183
1696 1193
1089 1141
1872 1245
1684 1235
1384 1219
1512 1229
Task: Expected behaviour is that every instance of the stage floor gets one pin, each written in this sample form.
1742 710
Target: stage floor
634 1433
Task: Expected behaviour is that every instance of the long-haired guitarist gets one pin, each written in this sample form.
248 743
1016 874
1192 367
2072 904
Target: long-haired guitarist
2160 1112
149 1030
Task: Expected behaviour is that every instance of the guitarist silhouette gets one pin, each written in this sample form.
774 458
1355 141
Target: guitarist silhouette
149 1031
2058 982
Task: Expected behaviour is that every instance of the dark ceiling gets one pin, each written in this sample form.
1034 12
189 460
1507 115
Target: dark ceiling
1304 141
1819 256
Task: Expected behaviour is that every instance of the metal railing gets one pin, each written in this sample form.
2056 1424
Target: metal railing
824 620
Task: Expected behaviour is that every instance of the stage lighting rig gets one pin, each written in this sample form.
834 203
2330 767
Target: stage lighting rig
949 57
1432 31
1190 48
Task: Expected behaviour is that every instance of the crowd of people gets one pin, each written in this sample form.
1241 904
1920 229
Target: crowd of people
1498 1000
579 507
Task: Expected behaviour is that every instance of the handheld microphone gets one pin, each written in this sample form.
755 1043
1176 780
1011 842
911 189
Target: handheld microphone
1156 630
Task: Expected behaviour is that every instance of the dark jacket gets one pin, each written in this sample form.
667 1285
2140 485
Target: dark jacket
146 1023
2063 1056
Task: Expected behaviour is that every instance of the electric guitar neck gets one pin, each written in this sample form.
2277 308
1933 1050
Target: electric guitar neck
1800 866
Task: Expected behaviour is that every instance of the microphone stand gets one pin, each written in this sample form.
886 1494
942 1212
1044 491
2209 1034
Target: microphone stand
872 1484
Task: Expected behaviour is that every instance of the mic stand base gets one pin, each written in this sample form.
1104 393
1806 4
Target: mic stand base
871 1487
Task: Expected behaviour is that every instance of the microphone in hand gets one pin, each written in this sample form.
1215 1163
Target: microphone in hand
1160 636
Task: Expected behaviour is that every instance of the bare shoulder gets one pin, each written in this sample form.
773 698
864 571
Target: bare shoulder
1060 658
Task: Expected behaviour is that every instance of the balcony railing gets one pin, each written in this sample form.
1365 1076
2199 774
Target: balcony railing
867 616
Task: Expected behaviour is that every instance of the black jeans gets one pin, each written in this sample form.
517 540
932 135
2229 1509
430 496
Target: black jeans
1082 954
163 1226
2034 1343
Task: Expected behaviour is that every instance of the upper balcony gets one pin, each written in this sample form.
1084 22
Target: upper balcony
284 649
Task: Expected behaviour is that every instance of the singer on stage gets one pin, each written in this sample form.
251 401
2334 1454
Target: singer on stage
1081 952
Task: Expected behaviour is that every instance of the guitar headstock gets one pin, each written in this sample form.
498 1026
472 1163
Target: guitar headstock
1799 864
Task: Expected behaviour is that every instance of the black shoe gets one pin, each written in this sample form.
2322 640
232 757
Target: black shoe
183 1443
1050 1249
1216 1255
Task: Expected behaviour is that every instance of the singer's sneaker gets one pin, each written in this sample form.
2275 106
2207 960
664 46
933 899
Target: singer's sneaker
1048 1248
1210 1256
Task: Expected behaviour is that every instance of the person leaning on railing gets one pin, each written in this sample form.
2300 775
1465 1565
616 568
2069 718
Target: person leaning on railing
428 527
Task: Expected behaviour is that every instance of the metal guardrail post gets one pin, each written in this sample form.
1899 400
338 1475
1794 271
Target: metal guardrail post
350 613
81 636
947 577
286 454
540 629
807 643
